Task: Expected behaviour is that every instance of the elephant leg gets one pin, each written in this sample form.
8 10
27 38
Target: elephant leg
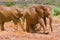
32 28
45 21
27 27
50 22
2 26
42 24
15 24
37 27
15 20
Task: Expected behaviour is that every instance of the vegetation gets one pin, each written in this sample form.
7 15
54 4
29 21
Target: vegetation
9 3
56 11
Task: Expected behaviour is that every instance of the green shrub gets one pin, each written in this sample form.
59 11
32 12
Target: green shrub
9 3
56 11
58 5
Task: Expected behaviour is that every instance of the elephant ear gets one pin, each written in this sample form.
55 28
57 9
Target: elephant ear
40 11
47 9
19 10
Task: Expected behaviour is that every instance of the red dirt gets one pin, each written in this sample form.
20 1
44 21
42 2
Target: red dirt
11 34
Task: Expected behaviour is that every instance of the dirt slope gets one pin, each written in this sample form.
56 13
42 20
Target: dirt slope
10 34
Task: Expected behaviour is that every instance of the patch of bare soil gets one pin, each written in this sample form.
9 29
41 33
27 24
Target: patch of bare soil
11 34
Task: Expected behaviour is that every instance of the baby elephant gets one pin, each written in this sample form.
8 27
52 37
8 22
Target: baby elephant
8 14
37 14
47 14
32 18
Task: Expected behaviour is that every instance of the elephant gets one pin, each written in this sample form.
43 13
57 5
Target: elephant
10 13
37 14
47 14
32 18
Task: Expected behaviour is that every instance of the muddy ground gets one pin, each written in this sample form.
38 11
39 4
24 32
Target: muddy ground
11 34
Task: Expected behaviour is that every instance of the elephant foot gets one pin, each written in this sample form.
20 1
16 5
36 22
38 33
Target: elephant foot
2 29
34 31
46 31
43 32
16 27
